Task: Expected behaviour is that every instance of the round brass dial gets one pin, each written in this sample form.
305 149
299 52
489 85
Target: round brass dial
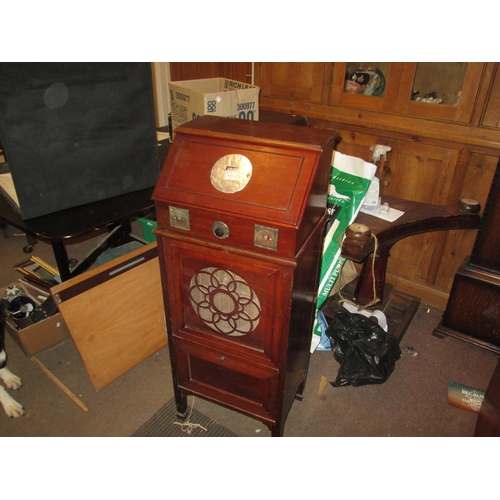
231 173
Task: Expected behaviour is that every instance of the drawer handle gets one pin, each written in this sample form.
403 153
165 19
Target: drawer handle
222 358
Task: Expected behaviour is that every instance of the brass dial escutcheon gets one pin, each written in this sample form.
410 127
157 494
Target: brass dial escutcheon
231 173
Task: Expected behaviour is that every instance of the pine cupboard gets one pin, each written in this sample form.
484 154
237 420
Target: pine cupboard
442 121
441 151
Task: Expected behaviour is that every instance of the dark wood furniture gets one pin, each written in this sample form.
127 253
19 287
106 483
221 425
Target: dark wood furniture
241 209
473 310
369 241
418 218
488 420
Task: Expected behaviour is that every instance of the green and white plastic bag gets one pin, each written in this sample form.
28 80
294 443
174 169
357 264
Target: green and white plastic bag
349 182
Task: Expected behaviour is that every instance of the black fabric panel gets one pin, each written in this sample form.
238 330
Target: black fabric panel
75 133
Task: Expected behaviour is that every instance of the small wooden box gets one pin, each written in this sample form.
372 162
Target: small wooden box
115 314
241 209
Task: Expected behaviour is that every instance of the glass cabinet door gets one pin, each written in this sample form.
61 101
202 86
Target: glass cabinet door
367 85
440 90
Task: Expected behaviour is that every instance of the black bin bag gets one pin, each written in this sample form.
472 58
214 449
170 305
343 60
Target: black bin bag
366 353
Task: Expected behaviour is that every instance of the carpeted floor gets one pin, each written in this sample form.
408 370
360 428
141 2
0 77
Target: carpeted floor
413 402
165 423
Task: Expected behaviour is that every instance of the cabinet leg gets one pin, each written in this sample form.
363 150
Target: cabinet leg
277 430
300 391
182 407
437 334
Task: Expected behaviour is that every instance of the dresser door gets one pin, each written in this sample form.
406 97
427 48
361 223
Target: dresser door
229 321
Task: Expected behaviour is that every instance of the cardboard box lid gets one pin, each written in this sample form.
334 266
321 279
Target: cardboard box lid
212 85
262 170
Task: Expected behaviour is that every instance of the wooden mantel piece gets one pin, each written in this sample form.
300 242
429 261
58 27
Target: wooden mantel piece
359 245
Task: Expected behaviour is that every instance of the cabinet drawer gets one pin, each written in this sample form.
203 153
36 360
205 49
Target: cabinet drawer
221 228
226 379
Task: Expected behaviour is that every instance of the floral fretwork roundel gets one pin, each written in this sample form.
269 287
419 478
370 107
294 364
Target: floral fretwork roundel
224 301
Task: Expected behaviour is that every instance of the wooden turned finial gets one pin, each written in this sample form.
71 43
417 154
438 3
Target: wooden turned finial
469 206
358 232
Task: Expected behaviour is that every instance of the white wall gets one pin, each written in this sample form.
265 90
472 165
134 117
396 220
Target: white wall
161 77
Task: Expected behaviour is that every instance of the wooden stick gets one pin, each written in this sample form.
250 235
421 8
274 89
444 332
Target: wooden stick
60 384
322 385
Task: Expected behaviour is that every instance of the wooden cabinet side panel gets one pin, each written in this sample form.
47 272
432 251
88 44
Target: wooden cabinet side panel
303 310
356 144
300 81
420 173
491 116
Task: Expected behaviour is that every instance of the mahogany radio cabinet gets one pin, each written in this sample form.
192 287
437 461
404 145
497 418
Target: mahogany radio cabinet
241 210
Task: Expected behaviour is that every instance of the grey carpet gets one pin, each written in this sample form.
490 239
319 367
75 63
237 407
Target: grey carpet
165 423
412 403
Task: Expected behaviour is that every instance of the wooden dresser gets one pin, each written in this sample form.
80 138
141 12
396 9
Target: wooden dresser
241 209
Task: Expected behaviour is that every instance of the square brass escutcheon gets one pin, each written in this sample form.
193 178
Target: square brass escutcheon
179 218
266 237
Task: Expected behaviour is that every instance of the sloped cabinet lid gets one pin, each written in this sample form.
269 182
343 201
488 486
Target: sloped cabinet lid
254 169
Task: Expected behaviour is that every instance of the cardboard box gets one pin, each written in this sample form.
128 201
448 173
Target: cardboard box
41 335
190 99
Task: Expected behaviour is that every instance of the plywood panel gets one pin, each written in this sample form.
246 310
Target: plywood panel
115 314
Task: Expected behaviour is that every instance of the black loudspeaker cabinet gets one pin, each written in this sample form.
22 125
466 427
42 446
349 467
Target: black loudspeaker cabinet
75 133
